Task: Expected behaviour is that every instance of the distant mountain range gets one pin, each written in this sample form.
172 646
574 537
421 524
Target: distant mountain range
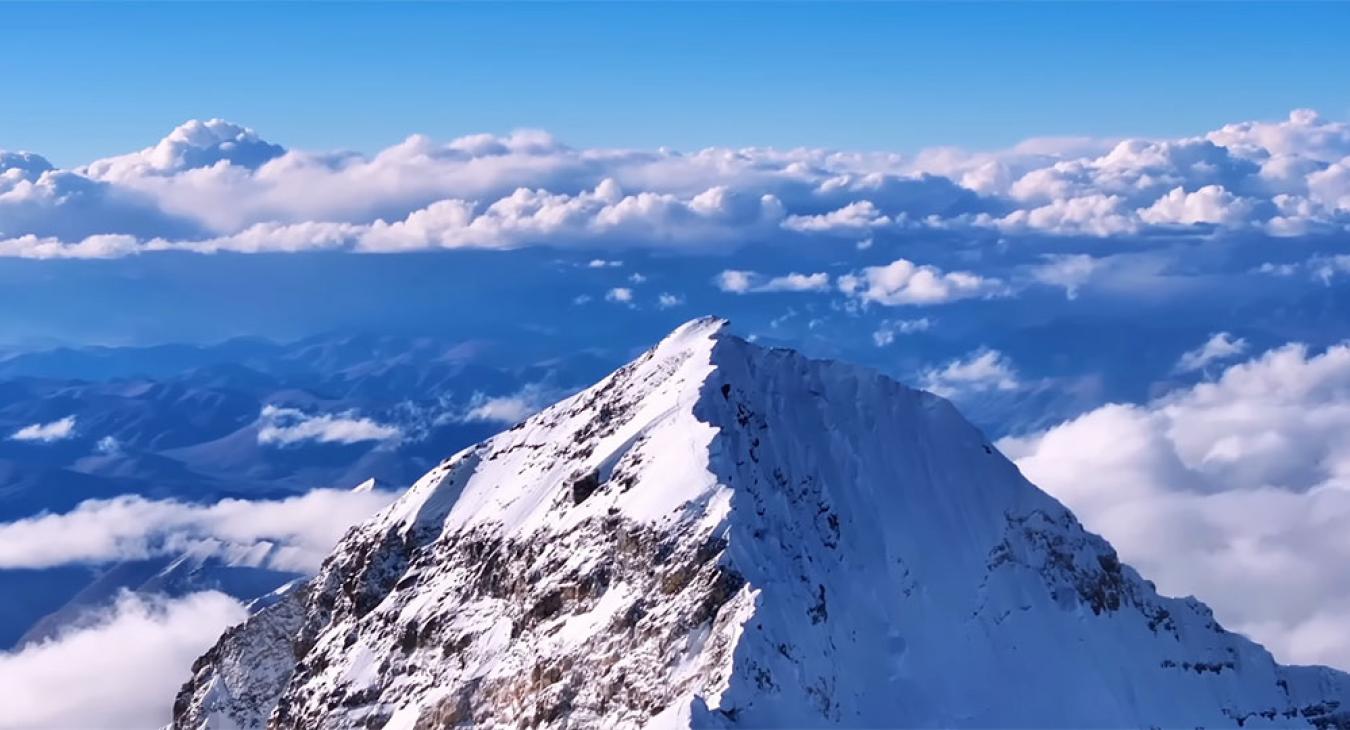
245 418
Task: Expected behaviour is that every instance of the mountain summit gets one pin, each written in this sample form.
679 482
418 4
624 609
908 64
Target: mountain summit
721 535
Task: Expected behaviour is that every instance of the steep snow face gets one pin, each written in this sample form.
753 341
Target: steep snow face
723 535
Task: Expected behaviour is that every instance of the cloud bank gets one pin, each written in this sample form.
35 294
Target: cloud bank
214 186
293 534
1236 490
119 670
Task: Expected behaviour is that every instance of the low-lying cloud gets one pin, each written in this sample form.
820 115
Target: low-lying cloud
58 430
292 534
288 426
1236 490
118 669
511 408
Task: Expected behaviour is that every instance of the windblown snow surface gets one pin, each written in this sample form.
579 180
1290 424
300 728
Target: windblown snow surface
721 535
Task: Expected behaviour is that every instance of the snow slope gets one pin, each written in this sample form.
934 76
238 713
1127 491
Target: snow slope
720 535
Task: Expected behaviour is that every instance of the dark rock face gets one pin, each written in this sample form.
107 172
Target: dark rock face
246 670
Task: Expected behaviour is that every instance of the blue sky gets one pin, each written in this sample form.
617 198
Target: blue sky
84 81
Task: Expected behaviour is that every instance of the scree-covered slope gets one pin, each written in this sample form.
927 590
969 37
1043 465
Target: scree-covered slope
720 535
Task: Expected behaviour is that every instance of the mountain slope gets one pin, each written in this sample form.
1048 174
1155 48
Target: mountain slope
723 535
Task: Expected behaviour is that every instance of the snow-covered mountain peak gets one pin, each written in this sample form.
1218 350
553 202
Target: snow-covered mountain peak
522 478
718 534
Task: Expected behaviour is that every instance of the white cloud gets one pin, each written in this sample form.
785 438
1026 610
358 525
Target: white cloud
1326 268
735 281
887 331
903 282
93 247
195 144
120 670
286 426
667 300
848 220
108 445
1246 477
513 408
603 264
979 372
287 534
58 430
1092 214
604 215
1209 204
1068 271
620 294
215 186
1220 346
751 282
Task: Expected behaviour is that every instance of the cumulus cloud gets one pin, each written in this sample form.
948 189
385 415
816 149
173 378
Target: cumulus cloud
1209 204
287 534
58 430
602 216
216 186
981 371
109 246
1221 346
121 669
620 295
848 220
736 281
281 426
1246 477
1093 214
904 282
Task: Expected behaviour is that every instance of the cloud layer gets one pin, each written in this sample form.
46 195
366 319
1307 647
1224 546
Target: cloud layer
121 666
292 534
1236 490
119 670
216 186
